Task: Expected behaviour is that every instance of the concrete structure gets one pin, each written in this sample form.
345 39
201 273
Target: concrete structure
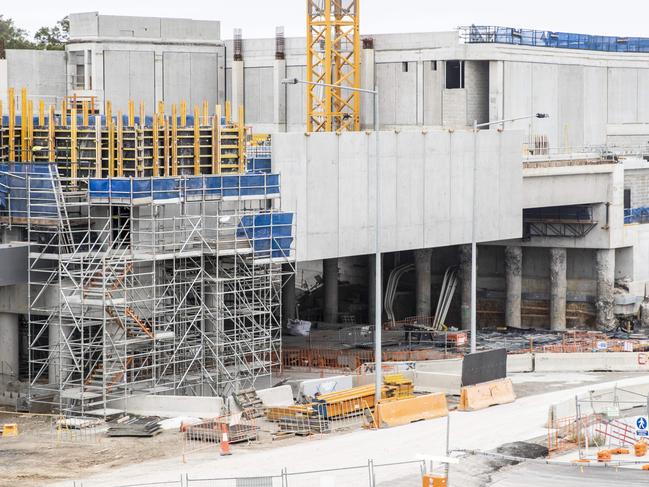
551 224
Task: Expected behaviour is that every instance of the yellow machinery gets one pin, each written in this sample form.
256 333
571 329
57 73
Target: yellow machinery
333 57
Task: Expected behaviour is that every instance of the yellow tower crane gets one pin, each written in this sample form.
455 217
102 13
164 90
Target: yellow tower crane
333 58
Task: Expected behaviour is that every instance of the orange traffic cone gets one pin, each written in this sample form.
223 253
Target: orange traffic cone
225 440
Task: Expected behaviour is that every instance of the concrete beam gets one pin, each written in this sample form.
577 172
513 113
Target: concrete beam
513 285
558 289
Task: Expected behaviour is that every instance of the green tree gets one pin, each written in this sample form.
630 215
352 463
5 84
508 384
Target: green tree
12 36
53 38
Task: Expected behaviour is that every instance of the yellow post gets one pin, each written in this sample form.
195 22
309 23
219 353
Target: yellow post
97 147
108 111
206 113
216 141
64 113
41 113
155 134
24 127
111 147
161 110
131 113
30 131
242 141
51 133
142 115
228 113
12 124
84 113
183 113
197 141
174 141
120 144
165 141
73 144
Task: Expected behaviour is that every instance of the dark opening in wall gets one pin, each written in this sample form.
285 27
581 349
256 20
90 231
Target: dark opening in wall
454 75
404 67
627 198
433 65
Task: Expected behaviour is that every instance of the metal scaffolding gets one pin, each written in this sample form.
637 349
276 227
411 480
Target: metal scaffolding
137 287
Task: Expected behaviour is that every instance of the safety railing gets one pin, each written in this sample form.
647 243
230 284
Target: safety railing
491 34
636 215
209 433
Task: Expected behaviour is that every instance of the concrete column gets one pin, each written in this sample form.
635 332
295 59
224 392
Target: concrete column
371 282
279 95
422 270
558 289
513 285
60 358
420 91
465 274
288 293
330 277
237 88
605 266
367 83
9 344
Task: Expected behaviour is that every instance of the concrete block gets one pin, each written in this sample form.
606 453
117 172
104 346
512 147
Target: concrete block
438 382
448 366
523 362
171 406
591 362
277 396
309 388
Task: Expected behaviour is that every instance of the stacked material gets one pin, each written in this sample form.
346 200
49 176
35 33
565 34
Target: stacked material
403 387
250 403
211 431
140 427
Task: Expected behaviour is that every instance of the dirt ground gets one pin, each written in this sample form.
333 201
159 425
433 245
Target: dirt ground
37 457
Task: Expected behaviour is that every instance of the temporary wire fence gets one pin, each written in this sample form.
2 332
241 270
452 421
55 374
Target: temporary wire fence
209 433
371 475
60 429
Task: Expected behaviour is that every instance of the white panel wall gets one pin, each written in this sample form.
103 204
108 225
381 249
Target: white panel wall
176 75
259 94
426 189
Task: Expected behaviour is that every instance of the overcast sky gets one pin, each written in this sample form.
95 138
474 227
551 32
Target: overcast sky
258 18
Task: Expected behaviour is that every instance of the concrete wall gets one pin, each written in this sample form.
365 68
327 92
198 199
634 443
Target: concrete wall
43 73
426 188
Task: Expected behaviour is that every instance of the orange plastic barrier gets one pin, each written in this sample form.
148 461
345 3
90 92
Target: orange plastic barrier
404 411
480 396
434 481
604 456
640 449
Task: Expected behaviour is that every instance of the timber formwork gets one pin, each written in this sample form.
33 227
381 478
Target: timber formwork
132 294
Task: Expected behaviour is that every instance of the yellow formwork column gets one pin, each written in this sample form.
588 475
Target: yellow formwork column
74 166
120 144
197 141
12 124
155 142
29 123
174 140
23 125
242 141
51 135
216 141
41 113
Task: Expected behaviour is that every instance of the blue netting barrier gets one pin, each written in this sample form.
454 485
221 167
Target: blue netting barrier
270 234
259 164
168 189
477 34
27 190
636 215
